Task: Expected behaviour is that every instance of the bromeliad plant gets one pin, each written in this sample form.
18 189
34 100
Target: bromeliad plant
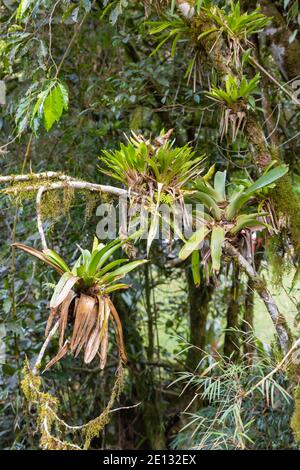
176 30
228 217
81 298
154 172
235 26
204 21
148 168
234 99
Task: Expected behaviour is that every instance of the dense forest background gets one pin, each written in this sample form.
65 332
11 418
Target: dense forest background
194 351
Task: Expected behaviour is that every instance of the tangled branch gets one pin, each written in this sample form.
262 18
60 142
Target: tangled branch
47 408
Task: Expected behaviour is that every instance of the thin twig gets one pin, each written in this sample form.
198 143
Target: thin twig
126 407
43 348
39 217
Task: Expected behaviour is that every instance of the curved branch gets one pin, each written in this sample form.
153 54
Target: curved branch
37 182
281 326
67 182
43 348
35 176
39 217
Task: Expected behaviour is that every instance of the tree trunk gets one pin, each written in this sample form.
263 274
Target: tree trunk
199 298
285 53
142 376
248 319
282 329
231 341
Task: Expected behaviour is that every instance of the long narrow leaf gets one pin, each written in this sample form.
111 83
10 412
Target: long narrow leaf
217 240
193 243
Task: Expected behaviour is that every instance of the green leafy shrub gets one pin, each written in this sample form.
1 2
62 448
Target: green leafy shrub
239 407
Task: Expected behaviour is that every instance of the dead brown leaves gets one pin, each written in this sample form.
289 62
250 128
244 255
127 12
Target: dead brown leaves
89 317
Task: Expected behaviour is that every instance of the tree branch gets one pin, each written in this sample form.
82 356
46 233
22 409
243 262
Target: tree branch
66 182
39 217
35 176
39 182
43 349
281 326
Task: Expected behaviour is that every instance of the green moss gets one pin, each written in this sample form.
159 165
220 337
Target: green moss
256 138
48 422
30 384
259 284
56 203
295 421
91 203
19 192
278 261
287 203
214 45
94 427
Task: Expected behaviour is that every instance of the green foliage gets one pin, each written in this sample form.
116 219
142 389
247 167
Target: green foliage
49 106
235 91
44 106
236 412
173 27
154 172
24 7
115 84
235 99
90 269
115 8
142 163
52 106
93 279
226 216
236 24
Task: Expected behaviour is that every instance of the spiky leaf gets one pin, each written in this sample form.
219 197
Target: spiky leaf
216 243
193 243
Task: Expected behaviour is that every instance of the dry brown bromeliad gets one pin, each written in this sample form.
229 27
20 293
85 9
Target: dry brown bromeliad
82 299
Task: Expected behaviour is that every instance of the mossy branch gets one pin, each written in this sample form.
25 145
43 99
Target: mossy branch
281 326
49 422
50 181
36 180
47 407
